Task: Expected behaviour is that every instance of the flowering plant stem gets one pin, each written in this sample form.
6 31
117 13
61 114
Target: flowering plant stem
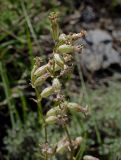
60 64
43 119
69 137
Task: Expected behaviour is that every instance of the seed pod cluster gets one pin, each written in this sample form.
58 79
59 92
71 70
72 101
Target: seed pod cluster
58 65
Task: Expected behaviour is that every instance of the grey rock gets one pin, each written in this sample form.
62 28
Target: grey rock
110 56
96 36
117 35
99 53
91 62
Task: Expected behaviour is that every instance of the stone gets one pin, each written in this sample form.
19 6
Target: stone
99 52
97 36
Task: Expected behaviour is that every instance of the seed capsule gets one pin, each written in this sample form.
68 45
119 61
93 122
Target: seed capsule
53 111
88 157
51 120
58 60
47 92
77 108
73 106
56 85
41 70
40 80
65 48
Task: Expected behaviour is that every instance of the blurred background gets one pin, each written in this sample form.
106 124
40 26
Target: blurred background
96 79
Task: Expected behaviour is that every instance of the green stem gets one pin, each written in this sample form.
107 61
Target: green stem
69 138
28 20
46 157
24 106
43 119
8 94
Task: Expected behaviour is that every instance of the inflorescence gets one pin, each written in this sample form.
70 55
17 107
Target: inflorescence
59 65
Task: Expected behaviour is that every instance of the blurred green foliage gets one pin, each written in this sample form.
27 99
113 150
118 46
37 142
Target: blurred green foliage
115 3
102 127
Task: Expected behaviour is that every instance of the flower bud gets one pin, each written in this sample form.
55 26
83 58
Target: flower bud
55 31
88 157
41 70
54 24
53 112
47 92
56 85
40 80
65 48
51 119
58 60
